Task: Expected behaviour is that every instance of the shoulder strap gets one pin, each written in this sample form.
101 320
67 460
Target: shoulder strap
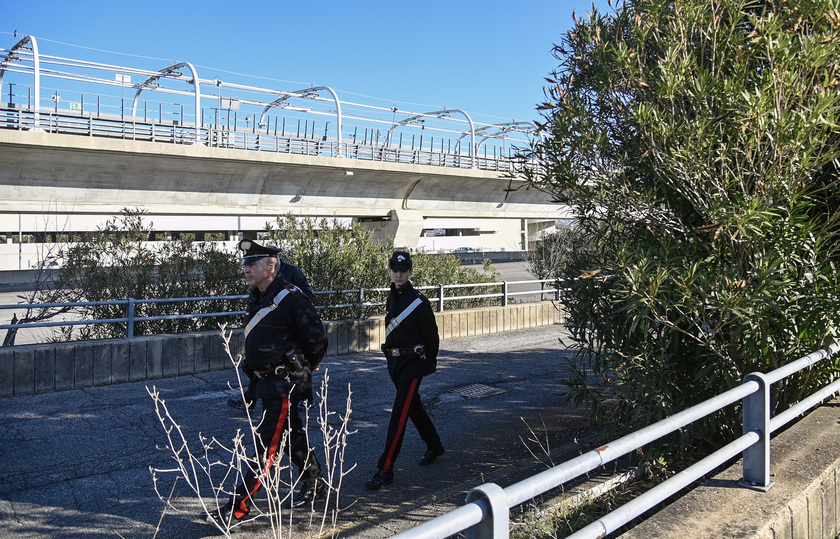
400 317
265 310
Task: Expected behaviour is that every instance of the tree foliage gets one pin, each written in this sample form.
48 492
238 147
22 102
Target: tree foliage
553 254
697 143
120 262
346 257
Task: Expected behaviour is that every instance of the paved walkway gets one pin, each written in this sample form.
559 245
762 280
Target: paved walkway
75 464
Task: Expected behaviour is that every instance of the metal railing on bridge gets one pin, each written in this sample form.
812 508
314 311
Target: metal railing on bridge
530 290
246 138
174 104
486 513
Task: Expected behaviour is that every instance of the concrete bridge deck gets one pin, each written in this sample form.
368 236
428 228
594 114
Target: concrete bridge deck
53 183
44 170
207 155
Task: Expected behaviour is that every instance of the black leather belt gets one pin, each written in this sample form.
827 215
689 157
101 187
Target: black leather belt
399 352
279 371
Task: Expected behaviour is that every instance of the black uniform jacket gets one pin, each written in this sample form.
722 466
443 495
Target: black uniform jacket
292 325
294 275
419 327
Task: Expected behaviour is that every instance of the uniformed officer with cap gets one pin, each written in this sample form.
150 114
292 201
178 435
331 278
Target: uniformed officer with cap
284 341
411 348
290 272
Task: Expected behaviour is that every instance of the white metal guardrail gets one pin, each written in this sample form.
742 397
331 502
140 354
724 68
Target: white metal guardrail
532 290
174 132
148 97
486 513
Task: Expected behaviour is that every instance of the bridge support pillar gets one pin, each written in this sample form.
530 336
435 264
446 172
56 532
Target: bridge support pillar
405 226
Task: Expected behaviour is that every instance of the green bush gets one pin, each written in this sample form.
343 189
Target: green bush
431 270
334 256
697 143
120 262
346 257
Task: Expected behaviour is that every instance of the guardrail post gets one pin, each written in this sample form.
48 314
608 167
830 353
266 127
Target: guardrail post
361 303
504 293
440 298
494 523
129 325
557 290
757 419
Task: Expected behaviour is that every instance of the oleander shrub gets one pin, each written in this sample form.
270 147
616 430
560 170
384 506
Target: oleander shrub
697 144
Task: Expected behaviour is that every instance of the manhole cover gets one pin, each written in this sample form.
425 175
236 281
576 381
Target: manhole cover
477 391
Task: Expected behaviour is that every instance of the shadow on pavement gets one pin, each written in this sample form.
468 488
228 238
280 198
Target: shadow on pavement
76 463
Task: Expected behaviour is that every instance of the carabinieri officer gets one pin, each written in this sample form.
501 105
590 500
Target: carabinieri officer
285 341
411 348
291 273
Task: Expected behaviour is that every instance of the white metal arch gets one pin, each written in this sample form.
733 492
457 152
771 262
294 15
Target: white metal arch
11 56
173 71
494 130
445 113
366 116
308 93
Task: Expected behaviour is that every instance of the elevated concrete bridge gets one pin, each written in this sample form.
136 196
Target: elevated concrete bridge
42 171
74 154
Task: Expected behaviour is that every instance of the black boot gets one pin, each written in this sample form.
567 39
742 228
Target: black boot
308 493
225 517
379 480
430 455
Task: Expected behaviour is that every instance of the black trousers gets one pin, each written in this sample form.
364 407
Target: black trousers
278 415
407 405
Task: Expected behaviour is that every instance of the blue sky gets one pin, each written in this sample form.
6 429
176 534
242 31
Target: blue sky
488 58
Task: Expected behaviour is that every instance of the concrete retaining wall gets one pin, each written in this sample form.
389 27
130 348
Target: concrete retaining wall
42 368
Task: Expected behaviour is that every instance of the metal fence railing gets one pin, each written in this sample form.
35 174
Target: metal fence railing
486 513
532 290
245 138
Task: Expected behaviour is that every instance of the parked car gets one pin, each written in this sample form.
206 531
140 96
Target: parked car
467 255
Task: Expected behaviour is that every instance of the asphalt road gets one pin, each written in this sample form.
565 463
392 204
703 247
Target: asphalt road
76 464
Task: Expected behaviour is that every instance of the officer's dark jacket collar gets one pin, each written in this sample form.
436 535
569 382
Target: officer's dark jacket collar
404 288
258 299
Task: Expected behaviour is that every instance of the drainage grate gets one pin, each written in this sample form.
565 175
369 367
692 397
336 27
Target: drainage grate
477 391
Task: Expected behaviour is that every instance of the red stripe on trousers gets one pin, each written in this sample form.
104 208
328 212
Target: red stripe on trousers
401 424
272 452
